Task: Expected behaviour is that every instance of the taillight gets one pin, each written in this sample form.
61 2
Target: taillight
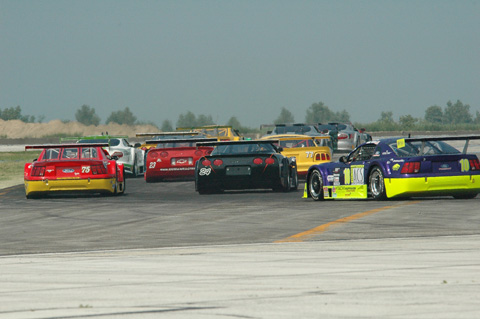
98 169
474 164
217 162
38 171
328 157
317 156
208 152
411 168
198 153
269 161
342 136
206 162
324 157
257 161
164 154
152 154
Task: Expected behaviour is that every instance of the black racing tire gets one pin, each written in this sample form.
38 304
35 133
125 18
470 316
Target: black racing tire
315 185
294 186
376 184
287 182
117 186
135 167
464 196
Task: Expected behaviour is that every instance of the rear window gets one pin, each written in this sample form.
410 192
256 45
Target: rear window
297 143
430 148
70 153
294 129
238 149
51 153
89 152
176 144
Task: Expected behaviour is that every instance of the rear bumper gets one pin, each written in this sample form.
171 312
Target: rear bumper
104 185
431 186
172 173
346 145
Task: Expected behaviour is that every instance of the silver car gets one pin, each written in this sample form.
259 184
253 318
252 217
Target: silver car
349 137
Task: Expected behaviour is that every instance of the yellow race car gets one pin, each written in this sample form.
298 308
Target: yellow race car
220 132
308 150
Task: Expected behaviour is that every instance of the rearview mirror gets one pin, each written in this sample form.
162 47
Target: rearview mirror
343 159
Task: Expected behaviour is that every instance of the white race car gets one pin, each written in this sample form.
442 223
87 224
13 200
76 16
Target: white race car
132 156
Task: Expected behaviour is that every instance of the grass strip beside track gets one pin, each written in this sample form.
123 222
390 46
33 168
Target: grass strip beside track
12 164
322 228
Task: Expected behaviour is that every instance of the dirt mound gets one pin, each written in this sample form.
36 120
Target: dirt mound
14 129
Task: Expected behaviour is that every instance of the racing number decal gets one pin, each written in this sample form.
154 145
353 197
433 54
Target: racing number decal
85 169
309 154
152 165
464 165
347 176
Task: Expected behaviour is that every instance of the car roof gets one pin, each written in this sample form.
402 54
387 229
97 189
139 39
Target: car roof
295 137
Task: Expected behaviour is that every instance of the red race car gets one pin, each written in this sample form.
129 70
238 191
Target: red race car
73 168
174 158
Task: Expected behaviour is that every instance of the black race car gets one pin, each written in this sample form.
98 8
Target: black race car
237 165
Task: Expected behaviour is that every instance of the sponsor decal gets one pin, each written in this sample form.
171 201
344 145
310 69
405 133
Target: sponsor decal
178 169
336 179
49 170
68 170
444 167
401 143
330 178
354 175
357 174
396 167
182 161
387 152
205 171
397 161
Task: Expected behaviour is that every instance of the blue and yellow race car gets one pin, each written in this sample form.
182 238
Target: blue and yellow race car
399 167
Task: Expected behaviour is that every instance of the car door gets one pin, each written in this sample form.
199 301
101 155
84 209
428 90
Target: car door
349 176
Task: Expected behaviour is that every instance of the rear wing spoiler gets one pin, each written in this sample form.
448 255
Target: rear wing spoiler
238 142
165 134
46 146
177 140
466 138
91 137
203 127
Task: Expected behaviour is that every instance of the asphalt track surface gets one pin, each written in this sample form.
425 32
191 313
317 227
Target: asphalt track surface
163 250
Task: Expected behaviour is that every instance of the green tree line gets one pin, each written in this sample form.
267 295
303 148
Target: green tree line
454 116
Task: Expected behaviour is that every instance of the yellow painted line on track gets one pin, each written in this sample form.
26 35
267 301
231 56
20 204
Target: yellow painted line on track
322 228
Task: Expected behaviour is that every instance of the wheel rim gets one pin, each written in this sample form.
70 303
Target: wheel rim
376 183
315 186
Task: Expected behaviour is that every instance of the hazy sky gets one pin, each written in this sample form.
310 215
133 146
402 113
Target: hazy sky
238 58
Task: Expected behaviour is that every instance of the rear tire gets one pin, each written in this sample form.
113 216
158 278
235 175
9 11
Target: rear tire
465 196
376 184
135 167
294 180
315 185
